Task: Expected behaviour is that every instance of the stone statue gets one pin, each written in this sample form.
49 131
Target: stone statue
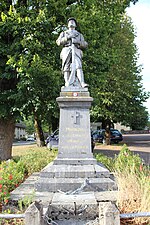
73 42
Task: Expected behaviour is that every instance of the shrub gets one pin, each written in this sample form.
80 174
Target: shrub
11 175
107 161
36 160
133 184
13 172
133 180
127 161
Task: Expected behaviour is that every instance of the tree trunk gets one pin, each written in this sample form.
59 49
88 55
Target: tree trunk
39 132
106 124
7 129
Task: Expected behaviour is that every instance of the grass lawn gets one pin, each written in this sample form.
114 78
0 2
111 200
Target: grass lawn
26 149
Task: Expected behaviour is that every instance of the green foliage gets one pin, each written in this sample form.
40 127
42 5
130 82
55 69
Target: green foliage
127 161
24 202
139 118
35 161
114 75
11 175
29 125
107 161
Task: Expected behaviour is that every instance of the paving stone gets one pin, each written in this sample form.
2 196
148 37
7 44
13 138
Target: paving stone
82 198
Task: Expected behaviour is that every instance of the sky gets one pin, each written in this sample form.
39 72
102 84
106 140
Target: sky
140 14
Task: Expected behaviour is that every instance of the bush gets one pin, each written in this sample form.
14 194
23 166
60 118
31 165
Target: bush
37 160
133 180
107 161
133 184
13 172
11 175
127 161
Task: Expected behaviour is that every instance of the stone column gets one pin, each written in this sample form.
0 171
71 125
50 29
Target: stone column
33 214
108 214
74 126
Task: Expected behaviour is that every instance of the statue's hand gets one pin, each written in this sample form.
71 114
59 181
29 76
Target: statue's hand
70 36
75 41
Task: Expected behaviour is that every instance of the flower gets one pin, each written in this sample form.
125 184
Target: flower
1 186
141 167
6 201
10 177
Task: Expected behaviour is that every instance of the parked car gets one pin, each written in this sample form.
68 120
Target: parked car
53 139
30 139
99 135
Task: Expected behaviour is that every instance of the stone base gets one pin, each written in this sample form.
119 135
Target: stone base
69 178
75 161
78 207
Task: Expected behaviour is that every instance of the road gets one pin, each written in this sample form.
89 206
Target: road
138 143
20 143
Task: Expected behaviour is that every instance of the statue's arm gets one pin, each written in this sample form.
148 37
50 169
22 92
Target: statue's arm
80 41
83 43
62 39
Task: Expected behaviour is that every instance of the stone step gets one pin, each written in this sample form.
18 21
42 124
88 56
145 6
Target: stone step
72 184
75 161
74 171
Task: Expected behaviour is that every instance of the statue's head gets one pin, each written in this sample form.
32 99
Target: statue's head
72 23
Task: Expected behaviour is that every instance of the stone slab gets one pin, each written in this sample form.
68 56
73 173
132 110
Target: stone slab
75 155
71 184
80 206
72 102
76 222
106 196
75 94
80 199
73 89
74 171
74 128
26 188
75 161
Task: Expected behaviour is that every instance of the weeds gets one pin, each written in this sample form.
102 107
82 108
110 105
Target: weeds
133 179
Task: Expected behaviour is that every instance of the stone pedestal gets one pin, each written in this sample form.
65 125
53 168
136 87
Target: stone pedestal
75 164
74 128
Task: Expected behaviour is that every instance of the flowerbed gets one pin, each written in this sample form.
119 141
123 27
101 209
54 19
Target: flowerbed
11 175
14 171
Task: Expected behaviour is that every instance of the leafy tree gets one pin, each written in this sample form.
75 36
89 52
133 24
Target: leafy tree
30 65
29 78
9 38
110 64
29 123
139 118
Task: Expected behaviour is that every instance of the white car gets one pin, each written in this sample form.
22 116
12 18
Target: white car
30 139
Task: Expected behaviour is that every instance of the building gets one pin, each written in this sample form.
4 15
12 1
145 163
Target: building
20 132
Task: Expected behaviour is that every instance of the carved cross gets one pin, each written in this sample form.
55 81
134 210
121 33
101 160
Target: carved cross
76 117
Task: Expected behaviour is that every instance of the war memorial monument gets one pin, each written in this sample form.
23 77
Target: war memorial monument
77 184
